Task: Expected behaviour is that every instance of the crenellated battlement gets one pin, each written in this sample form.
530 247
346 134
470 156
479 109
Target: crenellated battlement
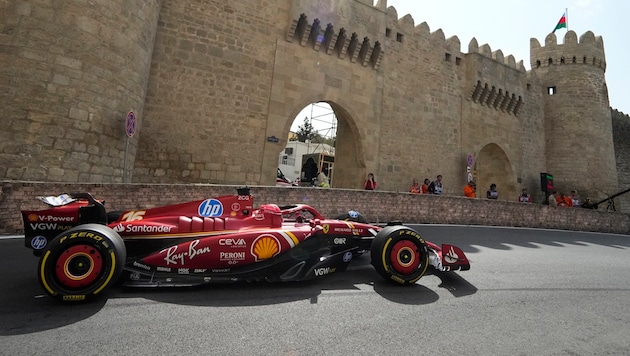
422 33
618 113
486 51
588 50
326 27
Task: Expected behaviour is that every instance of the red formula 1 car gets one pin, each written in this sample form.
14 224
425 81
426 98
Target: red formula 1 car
83 249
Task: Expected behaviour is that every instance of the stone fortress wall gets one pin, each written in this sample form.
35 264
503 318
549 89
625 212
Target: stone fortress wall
578 126
211 81
69 73
621 133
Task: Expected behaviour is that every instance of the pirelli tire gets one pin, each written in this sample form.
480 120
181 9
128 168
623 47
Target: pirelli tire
81 263
399 255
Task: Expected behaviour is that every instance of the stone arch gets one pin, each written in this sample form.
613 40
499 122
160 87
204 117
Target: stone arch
493 166
349 165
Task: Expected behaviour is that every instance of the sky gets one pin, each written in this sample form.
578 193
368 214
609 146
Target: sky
509 25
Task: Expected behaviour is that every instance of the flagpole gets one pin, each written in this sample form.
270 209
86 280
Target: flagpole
566 11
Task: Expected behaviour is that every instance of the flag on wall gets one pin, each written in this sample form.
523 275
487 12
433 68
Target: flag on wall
562 23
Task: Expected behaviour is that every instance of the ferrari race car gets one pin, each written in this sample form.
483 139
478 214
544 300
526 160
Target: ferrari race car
83 249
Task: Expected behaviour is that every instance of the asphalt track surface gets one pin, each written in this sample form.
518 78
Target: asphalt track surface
529 292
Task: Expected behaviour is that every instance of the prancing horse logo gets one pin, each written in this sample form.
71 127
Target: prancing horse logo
451 256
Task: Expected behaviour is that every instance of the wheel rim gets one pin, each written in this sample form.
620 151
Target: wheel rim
405 257
78 266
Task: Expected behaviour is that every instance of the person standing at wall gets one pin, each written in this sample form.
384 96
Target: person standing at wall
322 180
425 186
564 201
436 186
370 182
575 199
470 190
552 199
524 197
415 187
492 192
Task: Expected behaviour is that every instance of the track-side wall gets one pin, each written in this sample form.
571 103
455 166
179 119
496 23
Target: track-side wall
377 206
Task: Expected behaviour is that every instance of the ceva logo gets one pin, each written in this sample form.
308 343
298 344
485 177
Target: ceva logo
210 208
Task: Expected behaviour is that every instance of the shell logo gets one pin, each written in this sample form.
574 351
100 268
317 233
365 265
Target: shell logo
265 246
32 217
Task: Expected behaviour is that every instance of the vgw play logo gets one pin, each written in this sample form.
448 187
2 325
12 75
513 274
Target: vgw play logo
210 208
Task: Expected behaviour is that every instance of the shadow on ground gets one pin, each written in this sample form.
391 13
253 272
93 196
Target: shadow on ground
469 238
24 308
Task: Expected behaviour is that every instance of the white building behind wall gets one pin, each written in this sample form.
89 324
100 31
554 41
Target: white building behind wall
290 160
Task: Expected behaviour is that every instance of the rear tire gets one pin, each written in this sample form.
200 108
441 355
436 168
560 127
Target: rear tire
399 254
82 263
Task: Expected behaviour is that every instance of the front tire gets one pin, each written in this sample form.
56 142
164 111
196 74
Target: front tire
399 255
82 262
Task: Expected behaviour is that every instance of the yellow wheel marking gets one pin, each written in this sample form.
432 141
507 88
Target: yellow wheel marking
384 253
42 274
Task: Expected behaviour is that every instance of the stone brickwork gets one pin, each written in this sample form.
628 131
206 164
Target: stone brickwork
224 81
374 205
208 98
579 140
70 71
621 135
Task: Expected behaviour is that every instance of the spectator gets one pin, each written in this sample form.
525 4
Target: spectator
575 199
564 201
470 190
492 192
524 197
370 182
552 199
425 186
322 180
567 201
436 186
415 187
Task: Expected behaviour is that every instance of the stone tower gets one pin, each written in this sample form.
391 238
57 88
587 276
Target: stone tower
70 71
578 127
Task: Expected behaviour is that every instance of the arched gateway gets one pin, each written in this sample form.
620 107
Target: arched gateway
492 166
